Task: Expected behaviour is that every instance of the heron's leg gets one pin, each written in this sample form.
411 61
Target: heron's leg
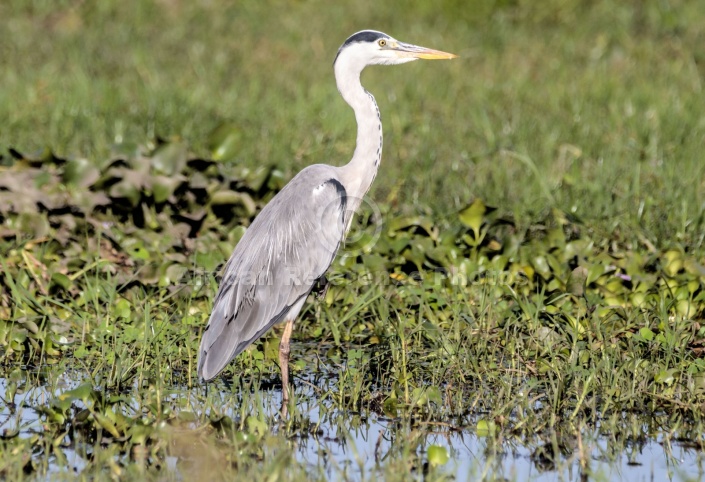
284 358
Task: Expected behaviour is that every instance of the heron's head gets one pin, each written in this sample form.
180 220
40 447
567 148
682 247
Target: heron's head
370 47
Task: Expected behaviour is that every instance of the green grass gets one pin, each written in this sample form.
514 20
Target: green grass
567 321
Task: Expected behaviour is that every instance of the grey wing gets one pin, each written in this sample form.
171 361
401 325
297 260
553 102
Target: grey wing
290 244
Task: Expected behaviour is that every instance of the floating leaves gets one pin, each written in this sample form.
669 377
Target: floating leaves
164 223
224 142
437 455
473 216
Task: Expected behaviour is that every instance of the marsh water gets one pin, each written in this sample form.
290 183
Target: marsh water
351 446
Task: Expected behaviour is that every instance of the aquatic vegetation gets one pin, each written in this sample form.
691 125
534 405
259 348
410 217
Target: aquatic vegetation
523 294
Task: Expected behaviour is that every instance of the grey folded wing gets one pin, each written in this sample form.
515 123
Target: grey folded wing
289 245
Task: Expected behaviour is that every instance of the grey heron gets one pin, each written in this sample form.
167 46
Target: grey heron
294 239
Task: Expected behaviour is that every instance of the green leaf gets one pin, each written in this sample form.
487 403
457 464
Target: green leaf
164 186
257 426
225 141
540 264
122 309
169 158
390 406
473 215
484 428
646 334
437 455
665 377
139 433
80 172
29 325
61 280
232 198
126 190
82 392
576 281
106 424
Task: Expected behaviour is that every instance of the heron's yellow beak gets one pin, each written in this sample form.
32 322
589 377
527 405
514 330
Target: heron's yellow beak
414 51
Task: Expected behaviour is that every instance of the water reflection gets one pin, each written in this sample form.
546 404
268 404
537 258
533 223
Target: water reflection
354 446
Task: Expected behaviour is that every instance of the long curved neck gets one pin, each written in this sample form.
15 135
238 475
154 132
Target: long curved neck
359 173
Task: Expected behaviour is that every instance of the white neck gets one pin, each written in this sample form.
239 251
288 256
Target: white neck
358 174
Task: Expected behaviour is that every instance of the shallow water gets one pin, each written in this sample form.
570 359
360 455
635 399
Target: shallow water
469 460
472 458
351 446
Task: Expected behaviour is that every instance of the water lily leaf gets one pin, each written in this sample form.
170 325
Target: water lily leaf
29 325
424 395
80 172
439 254
556 237
31 224
45 156
256 178
139 433
685 308
169 158
198 181
401 222
82 392
228 197
666 377
257 426
164 186
646 334
415 255
473 215
390 406
126 190
136 249
693 267
541 266
106 424
673 262
60 280
576 281
594 272
122 309
375 263
276 180
209 260
484 428
399 242
225 141
175 273
437 455
434 395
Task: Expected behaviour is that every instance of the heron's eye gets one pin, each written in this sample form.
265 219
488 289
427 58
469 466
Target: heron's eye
382 42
